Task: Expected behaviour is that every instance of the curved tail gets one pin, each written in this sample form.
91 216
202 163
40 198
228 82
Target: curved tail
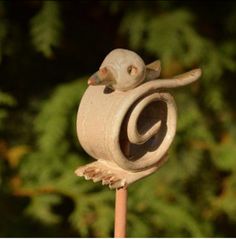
181 80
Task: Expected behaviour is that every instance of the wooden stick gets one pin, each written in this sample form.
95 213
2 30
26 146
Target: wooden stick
120 212
121 198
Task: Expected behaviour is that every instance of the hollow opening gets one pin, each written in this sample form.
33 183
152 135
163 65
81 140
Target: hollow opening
154 112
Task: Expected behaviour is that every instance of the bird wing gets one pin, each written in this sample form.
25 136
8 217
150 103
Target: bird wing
153 70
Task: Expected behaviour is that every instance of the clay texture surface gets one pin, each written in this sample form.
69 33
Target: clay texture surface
128 132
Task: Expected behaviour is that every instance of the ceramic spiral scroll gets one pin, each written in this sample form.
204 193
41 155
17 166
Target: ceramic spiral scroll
128 133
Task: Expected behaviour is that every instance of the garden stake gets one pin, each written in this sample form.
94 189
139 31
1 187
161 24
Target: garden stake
120 212
127 121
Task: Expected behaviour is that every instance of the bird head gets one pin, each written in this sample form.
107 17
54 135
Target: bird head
120 70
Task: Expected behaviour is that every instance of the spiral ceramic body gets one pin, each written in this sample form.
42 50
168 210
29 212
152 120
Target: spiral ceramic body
144 118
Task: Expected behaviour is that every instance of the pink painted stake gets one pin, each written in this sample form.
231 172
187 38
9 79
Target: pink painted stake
120 212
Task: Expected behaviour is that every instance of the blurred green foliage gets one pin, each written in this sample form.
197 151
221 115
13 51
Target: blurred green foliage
47 51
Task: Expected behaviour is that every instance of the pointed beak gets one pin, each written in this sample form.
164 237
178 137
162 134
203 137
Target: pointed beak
102 77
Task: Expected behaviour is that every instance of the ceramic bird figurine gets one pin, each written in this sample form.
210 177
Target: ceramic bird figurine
130 129
124 70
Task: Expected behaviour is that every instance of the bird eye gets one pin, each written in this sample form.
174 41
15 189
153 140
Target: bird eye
132 70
